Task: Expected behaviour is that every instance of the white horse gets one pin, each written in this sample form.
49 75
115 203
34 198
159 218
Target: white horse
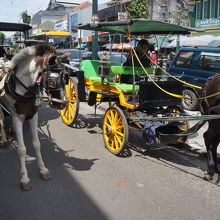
21 92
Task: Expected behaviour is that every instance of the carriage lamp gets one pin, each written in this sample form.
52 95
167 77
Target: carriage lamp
163 8
51 82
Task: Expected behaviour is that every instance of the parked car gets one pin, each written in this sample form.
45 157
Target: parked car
214 43
113 56
78 55
195 66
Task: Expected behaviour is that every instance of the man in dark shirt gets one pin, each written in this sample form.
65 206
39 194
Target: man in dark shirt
2 52
141 50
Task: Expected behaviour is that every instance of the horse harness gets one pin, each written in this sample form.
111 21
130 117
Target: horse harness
26 104
205 106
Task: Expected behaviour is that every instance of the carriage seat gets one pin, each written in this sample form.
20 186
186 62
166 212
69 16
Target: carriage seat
126 77
90 69
128 70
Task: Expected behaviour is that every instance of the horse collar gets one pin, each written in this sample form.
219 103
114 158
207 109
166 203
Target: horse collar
10 86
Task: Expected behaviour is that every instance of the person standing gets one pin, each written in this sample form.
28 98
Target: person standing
153 58
2 51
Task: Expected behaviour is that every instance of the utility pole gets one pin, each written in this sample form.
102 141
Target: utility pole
178 38
95 33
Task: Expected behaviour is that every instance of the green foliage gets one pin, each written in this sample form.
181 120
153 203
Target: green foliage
25 17
138 9
2 38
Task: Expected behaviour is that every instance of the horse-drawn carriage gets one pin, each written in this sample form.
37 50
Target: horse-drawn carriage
134 101
137 98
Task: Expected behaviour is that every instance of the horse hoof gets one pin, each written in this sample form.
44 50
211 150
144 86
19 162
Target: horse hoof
207 177
3 145
216 178
46 176
26 186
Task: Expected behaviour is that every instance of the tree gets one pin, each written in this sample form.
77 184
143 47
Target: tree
138 9
25 17
2 38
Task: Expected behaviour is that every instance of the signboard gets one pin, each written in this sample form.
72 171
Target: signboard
74 23
205 23
122 16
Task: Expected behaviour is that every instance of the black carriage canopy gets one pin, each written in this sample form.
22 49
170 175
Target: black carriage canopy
6 26
139 26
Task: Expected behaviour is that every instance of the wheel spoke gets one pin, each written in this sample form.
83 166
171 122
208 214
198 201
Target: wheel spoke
119 127
118 138
112 144
72 106
116 116
116 143
109 119
64 110
119 133
107 125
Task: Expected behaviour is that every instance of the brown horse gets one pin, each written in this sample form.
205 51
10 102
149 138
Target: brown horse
211 105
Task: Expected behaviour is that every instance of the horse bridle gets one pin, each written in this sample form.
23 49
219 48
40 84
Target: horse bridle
10 85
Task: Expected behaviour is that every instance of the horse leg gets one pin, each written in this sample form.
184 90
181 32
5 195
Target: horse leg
45 174
18 125
215 143
3 135
212 139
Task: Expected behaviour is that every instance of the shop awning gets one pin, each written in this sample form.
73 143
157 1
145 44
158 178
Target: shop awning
139 26
5 26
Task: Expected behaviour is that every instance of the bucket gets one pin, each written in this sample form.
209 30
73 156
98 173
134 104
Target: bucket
160 133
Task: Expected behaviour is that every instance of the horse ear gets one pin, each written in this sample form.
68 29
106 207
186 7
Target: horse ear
47 60
64 56
44 61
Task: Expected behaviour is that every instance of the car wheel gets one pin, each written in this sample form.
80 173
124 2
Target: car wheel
187 104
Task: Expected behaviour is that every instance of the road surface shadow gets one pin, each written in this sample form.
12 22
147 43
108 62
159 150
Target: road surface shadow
60 198
173 156
88 121
46 114
166 155
181 154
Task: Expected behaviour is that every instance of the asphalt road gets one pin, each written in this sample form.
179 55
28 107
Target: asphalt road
89 182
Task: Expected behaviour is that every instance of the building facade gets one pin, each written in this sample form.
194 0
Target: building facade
54 12
80 17
207 16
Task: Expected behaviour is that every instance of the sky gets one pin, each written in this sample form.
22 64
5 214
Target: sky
10 9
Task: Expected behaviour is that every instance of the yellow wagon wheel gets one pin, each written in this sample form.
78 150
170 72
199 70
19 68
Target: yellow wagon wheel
115 130
175 111
70 112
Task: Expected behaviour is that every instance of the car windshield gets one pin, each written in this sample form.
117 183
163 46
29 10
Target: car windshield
75 54
60 41
120 58
214 43
114 56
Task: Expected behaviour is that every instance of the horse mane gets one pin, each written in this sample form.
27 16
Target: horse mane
32 51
